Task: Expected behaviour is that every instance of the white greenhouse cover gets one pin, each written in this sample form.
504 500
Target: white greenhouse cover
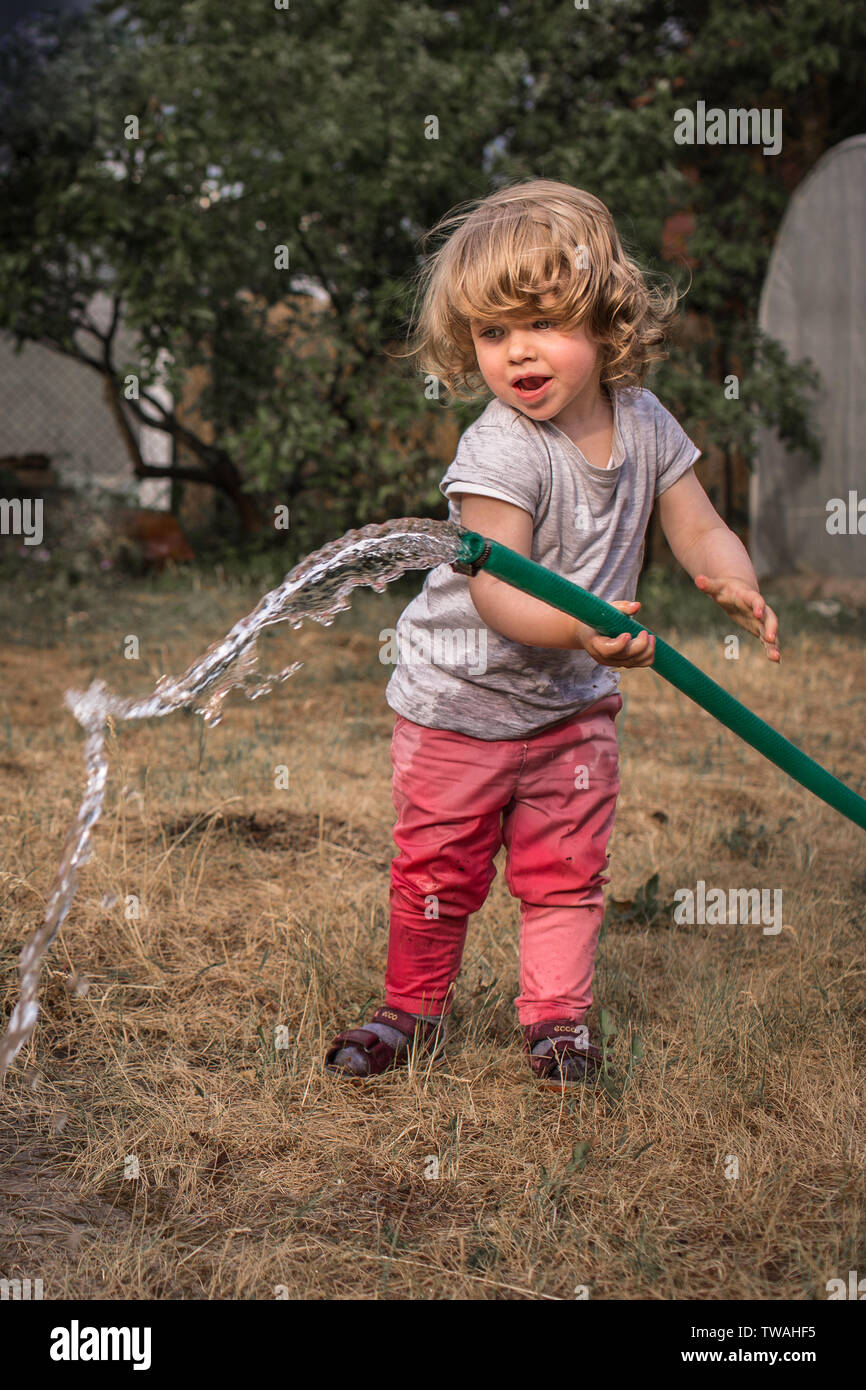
806 518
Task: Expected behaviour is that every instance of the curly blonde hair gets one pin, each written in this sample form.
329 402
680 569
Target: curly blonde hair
504 253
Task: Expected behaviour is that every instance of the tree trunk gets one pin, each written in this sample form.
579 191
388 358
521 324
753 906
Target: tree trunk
217 470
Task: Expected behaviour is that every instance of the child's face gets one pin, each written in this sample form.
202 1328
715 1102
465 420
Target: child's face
534 348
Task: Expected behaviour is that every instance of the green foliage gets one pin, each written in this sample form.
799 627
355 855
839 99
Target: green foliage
748 840
305 128
645 910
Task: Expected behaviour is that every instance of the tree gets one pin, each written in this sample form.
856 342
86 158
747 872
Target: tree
165 153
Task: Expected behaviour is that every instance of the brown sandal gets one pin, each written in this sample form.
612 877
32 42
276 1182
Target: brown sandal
572 1059
379 1055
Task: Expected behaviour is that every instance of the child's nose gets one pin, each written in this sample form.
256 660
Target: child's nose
519 347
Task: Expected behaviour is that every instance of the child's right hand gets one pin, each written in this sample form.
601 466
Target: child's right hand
624 650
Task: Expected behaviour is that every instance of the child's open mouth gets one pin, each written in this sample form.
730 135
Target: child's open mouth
531 387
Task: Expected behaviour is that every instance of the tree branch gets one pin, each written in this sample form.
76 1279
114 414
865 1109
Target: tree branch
336 299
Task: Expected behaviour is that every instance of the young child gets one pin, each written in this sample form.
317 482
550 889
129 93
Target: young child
505 729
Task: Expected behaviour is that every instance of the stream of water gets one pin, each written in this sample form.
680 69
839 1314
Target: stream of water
318 588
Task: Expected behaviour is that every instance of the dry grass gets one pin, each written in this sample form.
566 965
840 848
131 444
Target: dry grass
265 908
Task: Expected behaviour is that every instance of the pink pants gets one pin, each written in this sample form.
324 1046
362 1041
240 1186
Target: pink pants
551 799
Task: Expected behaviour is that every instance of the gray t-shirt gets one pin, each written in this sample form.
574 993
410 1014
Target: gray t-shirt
589 524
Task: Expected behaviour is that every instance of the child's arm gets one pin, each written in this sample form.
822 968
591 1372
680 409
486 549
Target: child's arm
716 559
523 618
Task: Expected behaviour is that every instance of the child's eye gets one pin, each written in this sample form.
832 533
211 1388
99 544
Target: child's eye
539 323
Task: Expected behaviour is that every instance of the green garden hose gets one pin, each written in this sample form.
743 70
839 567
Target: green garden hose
477 552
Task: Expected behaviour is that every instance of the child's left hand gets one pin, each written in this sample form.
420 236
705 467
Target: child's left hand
746 607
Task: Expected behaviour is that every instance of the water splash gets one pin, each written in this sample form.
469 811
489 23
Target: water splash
317 588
